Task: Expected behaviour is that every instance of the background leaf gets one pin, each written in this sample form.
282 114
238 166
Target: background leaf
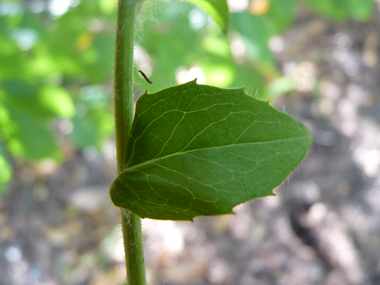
217 9
27 120
6 170
93 121
200 150
54 72
360 10
340 10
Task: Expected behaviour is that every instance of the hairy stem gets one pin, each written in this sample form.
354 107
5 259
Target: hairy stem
123 109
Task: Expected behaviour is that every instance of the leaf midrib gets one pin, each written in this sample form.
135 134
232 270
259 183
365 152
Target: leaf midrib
212 147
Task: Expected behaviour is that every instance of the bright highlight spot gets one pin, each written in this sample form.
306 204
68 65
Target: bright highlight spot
276 44
25 38
197 19
238 48
237 5
183 75
143 60
59 7
259 7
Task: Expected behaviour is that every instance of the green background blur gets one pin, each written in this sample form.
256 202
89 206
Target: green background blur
56 63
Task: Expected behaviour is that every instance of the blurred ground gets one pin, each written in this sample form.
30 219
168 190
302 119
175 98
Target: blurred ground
322 228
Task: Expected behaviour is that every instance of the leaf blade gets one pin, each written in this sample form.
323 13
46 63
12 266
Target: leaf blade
200 150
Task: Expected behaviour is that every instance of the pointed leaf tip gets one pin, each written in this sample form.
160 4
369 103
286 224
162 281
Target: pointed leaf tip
217 9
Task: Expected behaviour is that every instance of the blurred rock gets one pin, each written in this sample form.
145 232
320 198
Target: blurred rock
90 199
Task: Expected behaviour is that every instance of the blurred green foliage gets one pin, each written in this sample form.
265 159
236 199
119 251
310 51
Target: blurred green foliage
340 10
56 65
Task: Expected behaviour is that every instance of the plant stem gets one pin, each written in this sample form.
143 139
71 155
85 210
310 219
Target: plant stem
123 109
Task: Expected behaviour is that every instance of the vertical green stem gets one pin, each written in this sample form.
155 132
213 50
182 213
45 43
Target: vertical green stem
123 109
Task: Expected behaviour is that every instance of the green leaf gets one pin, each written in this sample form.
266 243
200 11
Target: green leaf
281 14
56 101
340 10
217 9
26 120
200 150
361 10
332 9
6 170
256 32
93 119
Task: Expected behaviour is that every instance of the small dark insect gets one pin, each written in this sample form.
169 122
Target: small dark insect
146 78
